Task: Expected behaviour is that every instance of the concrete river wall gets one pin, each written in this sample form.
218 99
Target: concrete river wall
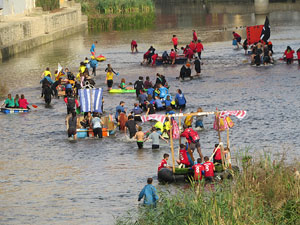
20 33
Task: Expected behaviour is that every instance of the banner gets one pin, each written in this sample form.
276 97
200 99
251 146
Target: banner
157 117
97 99
254 34
85 100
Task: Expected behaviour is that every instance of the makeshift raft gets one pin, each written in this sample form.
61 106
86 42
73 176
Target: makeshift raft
14 110
222 123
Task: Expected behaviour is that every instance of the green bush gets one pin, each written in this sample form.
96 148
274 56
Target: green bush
47 5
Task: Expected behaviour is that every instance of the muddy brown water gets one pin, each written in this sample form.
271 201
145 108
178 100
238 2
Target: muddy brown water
45 179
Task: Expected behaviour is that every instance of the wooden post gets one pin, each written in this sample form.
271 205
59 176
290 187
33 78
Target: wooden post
218 124
172 146
228 146
179 120
222 155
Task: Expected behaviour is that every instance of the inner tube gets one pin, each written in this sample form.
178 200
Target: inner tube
165 176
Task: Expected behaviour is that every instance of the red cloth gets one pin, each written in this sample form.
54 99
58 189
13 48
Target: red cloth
162 164
236 35
298 55
218 154
146 54
195 36
172 55
290 54
183 157
199 47
209 169
175 40
198 168
23 103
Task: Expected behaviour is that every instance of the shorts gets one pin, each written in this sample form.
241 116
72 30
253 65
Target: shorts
71 132
199 123
110 83
209 179
218 161
239 39
195 145
134 46
97 132
140 144
155 146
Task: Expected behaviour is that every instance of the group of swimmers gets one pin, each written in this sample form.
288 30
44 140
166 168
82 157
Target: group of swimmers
16 102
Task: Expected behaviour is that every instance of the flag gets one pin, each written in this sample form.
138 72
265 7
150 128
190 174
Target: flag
175 129
59 68
240 114
85 100
253 34
97 99
266 31
157 117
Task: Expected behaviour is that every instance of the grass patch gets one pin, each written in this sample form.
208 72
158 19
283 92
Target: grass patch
265 192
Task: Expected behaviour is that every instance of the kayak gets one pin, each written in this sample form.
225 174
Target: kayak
13 110
120 91
100 58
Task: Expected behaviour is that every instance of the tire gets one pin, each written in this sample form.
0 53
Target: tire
165 176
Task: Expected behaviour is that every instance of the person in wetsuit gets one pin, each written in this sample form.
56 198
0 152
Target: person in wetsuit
139 85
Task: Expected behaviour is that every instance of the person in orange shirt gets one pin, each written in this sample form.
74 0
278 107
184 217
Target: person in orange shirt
175 42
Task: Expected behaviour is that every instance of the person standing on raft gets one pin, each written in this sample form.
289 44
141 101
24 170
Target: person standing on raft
175 42
149 194
92 50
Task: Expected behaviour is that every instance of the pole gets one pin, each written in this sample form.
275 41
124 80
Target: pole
172 147
228 146
179 120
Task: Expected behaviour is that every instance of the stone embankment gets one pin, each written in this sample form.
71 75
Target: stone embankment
20 33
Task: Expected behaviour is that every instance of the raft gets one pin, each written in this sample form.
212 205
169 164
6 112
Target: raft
14 110
121 91
84 133
101 58
179 60
167 176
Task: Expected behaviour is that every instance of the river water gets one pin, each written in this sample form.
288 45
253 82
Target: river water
45 179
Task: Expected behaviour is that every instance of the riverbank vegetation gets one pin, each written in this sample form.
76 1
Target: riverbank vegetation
106 15
47 5
264 193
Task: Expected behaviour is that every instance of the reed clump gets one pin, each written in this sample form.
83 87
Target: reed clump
118 14
264 193
47 5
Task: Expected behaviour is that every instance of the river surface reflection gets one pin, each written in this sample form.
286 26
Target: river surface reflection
45 179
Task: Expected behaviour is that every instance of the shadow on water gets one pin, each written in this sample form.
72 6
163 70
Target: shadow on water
45 179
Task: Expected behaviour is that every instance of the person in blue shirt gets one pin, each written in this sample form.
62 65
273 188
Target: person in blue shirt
92 50
163 91
137 111
158 104
168 100
142 99
93 64
169 111
149 194
180 100
150 91
121 107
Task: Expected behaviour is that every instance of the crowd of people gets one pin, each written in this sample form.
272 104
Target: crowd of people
17 102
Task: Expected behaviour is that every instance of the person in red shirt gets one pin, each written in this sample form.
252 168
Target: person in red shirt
209 169
298 55
199 170
189 53
238 38
183 157
193 139
175 42
199 48
195 38
145 58
217 155
173 56
23 102
289 55
192 46
154 57
133 46
164 163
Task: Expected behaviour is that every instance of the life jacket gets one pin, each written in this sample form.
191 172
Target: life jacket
193 135
47 72
71 102
82 69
